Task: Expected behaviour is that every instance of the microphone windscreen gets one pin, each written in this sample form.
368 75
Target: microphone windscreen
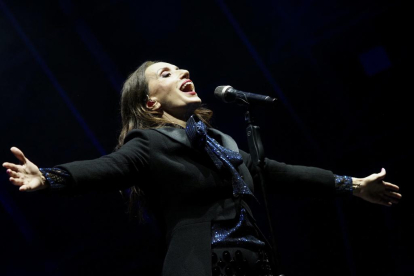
220 91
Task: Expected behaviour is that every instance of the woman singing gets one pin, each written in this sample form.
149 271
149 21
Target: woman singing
193 178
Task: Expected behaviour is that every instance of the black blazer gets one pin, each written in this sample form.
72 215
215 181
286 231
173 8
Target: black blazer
184 189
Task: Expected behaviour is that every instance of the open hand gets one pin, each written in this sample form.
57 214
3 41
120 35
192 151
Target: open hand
375 190
26 175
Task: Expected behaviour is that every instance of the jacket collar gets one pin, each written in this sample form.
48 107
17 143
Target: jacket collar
179 135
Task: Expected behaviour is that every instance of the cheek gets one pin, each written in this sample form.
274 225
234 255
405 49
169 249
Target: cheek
171 98
158 91
165 95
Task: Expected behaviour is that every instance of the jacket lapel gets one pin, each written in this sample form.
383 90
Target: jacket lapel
179 135
226 140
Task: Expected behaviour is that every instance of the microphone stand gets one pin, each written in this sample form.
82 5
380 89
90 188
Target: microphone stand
257 154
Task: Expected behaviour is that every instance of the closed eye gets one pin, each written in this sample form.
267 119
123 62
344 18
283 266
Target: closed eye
165 74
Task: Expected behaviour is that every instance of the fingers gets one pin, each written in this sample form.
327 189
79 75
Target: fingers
23 188
16 178
393 195
389 199
13 167
14 174
385 201
23 185
19 155
16 181
391 187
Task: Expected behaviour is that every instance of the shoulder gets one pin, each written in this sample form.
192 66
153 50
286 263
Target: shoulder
157 136
145 134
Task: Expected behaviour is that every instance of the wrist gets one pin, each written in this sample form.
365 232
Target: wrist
44 183
356 186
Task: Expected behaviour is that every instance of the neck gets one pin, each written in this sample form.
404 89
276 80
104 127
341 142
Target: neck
180 117
174 120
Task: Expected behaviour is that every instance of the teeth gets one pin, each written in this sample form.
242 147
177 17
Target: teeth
187 83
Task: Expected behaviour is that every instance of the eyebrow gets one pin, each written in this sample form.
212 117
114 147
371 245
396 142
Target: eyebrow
163 68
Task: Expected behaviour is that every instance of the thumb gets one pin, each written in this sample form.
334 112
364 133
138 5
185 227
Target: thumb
382 174
19 155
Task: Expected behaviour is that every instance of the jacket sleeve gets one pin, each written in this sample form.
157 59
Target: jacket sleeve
292 179
118 170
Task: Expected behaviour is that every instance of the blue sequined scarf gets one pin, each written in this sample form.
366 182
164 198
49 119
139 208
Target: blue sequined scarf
222 157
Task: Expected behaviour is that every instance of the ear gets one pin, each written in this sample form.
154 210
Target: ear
153 104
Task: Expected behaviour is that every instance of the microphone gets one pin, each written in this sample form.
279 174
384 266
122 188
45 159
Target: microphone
228 94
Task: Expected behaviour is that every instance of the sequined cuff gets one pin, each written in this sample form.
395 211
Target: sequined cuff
343 184
56 178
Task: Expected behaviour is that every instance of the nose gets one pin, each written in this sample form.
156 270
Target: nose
184 74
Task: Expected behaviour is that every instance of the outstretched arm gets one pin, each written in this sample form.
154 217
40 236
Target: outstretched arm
374 189
26 175
318 182
118 170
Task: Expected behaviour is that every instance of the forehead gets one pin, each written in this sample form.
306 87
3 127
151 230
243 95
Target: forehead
154 68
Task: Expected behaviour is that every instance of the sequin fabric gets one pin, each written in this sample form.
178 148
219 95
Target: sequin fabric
343 183
221 156
240 261
237 232
55 177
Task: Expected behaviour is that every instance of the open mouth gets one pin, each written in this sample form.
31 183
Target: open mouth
187 86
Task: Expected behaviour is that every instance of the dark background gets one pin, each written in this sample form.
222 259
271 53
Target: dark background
340 70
